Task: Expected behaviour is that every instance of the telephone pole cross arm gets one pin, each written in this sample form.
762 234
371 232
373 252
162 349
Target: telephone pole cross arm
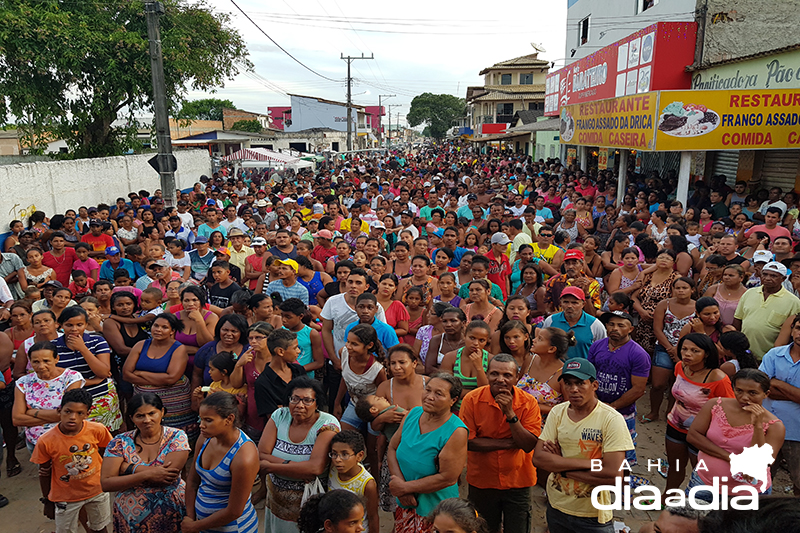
350 59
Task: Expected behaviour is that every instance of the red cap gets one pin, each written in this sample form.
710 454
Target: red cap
573 254
577 292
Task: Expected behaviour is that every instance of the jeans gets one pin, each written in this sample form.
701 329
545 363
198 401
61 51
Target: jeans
558 522
509 508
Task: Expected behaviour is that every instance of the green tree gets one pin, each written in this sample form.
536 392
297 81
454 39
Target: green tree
205 109
252 126
71 68
436 111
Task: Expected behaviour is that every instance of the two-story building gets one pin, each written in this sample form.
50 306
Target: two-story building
509 87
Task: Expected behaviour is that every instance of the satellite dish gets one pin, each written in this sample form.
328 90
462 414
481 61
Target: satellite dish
538 47
288 122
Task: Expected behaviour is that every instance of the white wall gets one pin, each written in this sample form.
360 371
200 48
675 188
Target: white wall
310 113
55 186
616 20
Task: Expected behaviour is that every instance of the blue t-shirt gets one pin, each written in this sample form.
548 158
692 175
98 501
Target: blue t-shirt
107 271
292 291
544 212
615 369
587 330
386 333
777 363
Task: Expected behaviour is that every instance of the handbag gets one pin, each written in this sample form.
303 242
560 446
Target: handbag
312 488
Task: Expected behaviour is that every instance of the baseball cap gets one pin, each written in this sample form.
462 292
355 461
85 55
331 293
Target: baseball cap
258 241
201 239
774 266
289 262
222 250
573 254
261 203
577 292
608 315
112 250
95 222
323 234
407 213
499 238
578 367
472 196
439 233
762 256
53 283
182 203
377 225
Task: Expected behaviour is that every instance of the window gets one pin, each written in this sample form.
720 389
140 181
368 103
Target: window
644 5
505 109
533 106
583 31
526 79
505 79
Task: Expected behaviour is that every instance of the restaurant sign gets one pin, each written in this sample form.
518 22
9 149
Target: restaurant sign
626 122
780 71
728 120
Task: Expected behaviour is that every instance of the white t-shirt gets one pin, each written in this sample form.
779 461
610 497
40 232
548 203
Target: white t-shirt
413 229
178 264
342 315
187 220
237 223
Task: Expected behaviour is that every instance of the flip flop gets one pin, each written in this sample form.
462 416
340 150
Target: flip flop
645 420
665 470
14 469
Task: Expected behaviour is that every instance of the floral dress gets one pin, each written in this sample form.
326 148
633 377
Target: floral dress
149 509
649 297
45 394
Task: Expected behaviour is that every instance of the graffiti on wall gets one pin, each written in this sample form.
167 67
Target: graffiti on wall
21 214
730 16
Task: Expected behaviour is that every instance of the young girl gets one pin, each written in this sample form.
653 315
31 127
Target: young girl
480 308
515 339
456 515
447 290
533 290
220 368
619 301
95 321
708 320
338 511
734 349
362 371
178 260
347 451
469 364
517 308
540 377
84 262
453 322
293 311
396 313
416 312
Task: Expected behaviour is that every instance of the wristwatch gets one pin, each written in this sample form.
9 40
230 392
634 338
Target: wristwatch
512 420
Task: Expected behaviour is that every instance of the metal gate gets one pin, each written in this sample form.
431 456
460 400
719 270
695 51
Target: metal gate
780 169
726 163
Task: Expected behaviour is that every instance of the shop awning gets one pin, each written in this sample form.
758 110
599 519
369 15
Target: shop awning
259 154
501 136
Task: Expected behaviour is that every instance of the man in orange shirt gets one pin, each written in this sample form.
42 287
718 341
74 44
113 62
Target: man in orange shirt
504 424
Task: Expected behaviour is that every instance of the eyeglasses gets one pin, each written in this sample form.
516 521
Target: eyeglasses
342 456
294 400
256 338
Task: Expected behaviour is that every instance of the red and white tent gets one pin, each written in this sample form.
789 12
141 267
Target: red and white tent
259 154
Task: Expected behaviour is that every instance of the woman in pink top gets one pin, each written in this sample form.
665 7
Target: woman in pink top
726 426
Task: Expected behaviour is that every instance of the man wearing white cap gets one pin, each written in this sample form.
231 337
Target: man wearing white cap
763 310
760 258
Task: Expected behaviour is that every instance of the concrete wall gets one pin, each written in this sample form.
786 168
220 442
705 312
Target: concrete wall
611 21
55 186
739 28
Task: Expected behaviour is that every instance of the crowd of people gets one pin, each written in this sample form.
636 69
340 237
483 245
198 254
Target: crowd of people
349 340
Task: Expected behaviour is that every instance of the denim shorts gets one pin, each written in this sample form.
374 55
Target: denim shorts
662 359
350 417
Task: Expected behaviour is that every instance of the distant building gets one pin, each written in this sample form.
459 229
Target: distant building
232 116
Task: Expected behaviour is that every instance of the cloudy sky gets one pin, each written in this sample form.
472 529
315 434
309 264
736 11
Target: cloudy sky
419 46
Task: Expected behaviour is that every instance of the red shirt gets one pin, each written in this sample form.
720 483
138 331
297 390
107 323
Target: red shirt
499 271
99 243
322 254
62 264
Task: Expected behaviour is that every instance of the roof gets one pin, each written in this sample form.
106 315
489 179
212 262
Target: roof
530 60
332 102
505 92
528 116
223 135
503 96
711 64
550 124
500 136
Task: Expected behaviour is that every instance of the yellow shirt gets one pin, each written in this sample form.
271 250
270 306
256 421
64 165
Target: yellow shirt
238 258
762 319
217 385
345 227
603 431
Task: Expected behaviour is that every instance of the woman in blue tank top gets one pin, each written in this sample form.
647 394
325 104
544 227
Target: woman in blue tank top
218 489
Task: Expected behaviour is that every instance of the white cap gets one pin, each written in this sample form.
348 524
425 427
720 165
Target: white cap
502 238
762 256
776 267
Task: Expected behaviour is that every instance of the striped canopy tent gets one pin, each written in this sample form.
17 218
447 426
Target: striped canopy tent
259 154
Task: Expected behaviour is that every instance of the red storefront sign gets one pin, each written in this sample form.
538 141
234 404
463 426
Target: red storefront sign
651 59
494 128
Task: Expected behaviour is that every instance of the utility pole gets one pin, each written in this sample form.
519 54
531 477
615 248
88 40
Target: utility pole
390 106
165 162
380 116
350 59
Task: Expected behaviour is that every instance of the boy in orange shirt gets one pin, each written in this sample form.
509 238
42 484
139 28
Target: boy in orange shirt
69 458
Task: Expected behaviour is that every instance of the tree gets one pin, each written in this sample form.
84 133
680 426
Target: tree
205 109
252 126
70 68
437 111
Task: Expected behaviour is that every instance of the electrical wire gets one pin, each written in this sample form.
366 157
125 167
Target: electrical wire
279 46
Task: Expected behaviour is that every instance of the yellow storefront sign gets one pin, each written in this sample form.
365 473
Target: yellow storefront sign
625 122
728 120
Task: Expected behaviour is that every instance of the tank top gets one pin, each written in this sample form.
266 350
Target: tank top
468 383
157 366
673 326
215 489
625 281
360 385
726 308
486 318
541 390
189 339
547 254
130 342
313 286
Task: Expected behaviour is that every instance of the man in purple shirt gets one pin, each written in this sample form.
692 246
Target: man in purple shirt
622 370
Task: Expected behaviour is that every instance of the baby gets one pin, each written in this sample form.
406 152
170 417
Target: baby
369 408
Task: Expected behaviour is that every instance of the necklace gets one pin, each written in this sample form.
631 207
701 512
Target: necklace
141 439
55 257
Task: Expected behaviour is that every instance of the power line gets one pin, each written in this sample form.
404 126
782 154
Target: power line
279 46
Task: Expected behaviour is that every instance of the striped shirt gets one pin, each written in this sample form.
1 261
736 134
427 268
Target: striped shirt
74 360
215 489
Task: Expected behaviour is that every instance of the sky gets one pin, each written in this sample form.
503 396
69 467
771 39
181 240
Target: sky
419 46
